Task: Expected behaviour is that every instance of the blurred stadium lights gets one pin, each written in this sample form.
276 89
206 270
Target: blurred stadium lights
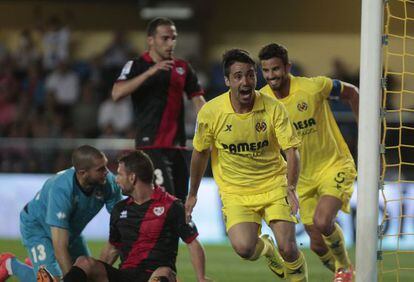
172 12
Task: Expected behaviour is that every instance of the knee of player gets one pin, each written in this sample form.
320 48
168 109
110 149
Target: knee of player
85 263
289 251
323 224
244 250
317 247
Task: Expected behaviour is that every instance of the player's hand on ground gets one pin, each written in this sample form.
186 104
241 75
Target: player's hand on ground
165 65
292 198
205 279
189 206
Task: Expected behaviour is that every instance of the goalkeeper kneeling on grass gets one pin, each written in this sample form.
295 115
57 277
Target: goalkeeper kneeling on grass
51 224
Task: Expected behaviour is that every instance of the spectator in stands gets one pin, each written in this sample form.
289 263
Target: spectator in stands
26 54
33 86
118 51
55 43
117 115
64 85
85 112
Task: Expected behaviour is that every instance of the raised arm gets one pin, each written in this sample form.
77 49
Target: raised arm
350 94
198 166
198 102
124 88
293 167
60 240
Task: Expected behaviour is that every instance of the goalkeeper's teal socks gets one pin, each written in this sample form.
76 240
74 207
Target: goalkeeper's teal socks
21 271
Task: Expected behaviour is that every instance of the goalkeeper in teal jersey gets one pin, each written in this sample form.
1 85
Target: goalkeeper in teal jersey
51 223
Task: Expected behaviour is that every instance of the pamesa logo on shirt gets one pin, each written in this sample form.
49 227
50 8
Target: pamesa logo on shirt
245 147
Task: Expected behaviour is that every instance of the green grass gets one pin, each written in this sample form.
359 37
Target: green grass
223 264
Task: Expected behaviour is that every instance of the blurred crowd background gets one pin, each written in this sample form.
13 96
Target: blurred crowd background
58 62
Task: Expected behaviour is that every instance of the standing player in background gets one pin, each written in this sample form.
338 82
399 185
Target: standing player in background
327 168
51 224
156 82
246 131
144 230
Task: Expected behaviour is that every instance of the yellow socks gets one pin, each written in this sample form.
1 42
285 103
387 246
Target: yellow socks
260 250
328 260
297 271
336 245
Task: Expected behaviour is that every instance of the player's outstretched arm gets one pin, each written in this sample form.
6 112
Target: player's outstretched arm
60 240
109 254
198 102
124 88
350 94
293 167
198 166
198 260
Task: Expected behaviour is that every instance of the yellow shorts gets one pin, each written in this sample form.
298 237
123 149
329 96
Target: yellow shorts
253 208
335 181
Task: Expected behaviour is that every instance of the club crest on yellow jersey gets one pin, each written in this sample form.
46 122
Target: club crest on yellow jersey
302 106
261 126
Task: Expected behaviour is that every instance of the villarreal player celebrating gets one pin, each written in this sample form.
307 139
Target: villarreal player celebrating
245 131
327 168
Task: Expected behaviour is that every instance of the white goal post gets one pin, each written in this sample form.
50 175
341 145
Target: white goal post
368 140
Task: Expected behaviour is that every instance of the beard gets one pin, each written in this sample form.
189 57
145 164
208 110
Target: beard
91 183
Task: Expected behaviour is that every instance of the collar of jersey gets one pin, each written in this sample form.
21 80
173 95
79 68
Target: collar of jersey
258 103
293 88
293 84
155 196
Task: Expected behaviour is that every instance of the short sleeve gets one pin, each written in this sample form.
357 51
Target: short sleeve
59 207
192 87
203 135
186 231
113 192
285 133
128 71
327 87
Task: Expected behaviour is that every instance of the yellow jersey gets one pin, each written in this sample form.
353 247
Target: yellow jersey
322 143
245 155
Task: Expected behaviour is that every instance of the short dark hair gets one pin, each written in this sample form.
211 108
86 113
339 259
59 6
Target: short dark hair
274 50
139 163
236 55
83 157
154 23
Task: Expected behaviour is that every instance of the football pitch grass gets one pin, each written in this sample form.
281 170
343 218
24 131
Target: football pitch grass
223 265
